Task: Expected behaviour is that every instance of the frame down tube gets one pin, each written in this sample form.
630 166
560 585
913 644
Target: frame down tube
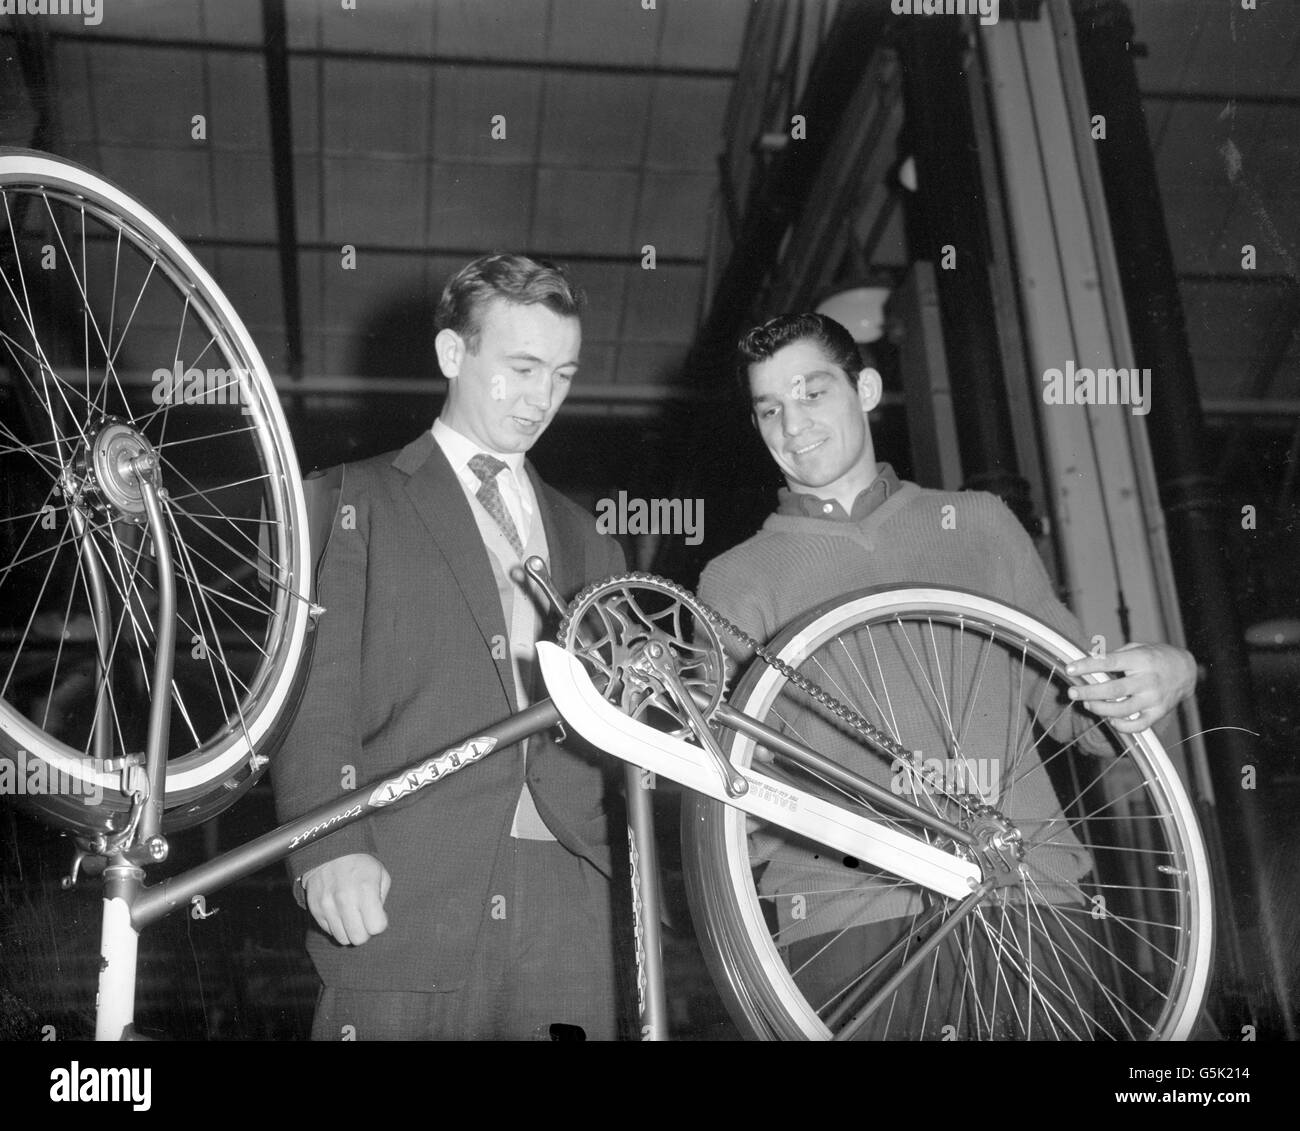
129 907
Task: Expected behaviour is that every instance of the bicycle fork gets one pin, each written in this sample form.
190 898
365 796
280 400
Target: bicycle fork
142 840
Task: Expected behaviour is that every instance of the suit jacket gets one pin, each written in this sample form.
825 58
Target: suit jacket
403 666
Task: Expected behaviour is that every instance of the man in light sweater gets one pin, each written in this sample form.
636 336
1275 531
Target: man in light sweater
843 523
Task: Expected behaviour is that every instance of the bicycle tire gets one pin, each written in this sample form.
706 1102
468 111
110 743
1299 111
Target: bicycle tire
75 386
1137 970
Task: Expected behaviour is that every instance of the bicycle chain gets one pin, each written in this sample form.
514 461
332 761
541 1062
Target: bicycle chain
873 734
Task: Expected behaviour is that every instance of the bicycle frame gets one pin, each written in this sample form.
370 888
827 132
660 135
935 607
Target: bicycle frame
130 906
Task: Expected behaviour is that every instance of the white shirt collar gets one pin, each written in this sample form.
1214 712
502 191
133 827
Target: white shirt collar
460 449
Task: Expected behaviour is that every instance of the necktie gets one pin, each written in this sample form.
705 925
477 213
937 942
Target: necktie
486 468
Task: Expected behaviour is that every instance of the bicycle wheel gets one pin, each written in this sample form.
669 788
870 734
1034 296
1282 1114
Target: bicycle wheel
115 344
1097 923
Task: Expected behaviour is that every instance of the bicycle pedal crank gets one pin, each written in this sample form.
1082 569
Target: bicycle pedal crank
611 624
655 657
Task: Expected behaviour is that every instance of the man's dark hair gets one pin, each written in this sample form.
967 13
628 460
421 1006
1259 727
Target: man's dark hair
515 278
763 341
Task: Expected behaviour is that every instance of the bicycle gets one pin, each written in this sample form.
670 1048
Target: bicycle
858 859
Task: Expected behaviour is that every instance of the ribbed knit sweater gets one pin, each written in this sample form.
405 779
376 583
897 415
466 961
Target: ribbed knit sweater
915 537
794 564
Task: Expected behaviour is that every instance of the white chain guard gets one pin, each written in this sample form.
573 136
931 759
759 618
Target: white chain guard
606 727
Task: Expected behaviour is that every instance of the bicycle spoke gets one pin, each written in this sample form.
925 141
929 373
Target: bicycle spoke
36 605
58 653
185 552
266 559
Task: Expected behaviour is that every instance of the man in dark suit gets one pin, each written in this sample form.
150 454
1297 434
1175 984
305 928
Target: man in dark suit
482 910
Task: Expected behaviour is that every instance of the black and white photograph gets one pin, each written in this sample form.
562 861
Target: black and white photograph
651 520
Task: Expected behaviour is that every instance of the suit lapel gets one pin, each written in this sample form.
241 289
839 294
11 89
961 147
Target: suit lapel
561 543
439 500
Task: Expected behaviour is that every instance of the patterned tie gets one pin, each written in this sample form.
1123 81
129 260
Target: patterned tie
486 467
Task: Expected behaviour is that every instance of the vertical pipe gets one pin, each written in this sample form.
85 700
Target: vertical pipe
646 907
1193 509
275 35
947 212
118 948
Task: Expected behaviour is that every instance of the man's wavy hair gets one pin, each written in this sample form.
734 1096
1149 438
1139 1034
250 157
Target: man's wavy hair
763 341
515 278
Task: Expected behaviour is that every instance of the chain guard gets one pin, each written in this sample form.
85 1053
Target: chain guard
608 658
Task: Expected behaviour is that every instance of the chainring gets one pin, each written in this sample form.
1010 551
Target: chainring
610 622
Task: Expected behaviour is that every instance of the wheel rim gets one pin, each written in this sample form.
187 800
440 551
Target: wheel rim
115 342
1164 952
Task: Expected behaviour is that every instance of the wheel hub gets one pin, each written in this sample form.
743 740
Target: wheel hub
1000 849
111 464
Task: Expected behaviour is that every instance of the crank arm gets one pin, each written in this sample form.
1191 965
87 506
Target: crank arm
606 727
661 665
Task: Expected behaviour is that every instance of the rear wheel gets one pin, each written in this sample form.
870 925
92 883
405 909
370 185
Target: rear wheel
1098 922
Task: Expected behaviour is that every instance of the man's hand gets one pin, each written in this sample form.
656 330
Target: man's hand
346 897
1156 678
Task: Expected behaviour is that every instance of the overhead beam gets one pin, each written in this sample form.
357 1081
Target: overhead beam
722 74
235 243
1243 278
626 260
1219 96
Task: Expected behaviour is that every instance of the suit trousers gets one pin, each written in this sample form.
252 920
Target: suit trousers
545 957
